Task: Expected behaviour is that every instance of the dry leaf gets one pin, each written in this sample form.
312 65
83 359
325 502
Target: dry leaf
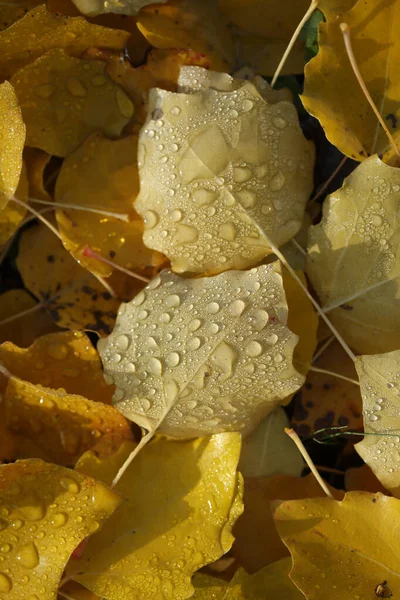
326 400
342 549
172 523
257 542
234 173
197 356
44 516
332 92
379 378
268 450
64 99
40 31
190 24
92 8
354 260
272 580
12 134
74 297
102 174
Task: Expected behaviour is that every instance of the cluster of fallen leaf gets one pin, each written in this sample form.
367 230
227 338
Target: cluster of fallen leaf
169 286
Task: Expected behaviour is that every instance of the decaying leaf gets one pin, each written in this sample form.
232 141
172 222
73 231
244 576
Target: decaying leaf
271 582
380 379
343 549
40 31
268 450
257 542
332 92
190 24
73 296
233 171
326 400
102 174
92 8
12 135
172 523
44 516
354 259
63 99
24 330
188 362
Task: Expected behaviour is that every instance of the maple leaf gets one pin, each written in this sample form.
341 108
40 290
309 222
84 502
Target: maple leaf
342 547
353 259
209 365
42 502
237 183
182 515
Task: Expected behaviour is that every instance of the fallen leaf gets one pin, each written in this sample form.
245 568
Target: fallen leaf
363 479
25 329
342 549
74 297
379 380
44 516
268 450
12 214
211 365
76 591
190 24
236 183
102 174
40 31
10 13
64 99
12 134
36 162
332 92
92 8
326 400
353 259
171 524
64 360
272 580
257 542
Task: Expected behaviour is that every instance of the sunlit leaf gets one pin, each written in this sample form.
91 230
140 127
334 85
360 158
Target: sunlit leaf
234 173
343 549
102 174
12 135
125 7
172 523
40 31
354 261
218 353
64 99
190 24
44 516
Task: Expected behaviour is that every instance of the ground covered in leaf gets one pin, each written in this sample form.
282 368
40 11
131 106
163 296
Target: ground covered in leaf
199 300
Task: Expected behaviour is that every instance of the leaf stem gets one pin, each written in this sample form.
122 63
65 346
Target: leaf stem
317 370
345 29
322 349
293 435
143 442
38 216
307 15
23 313
326 184
87 251
61 205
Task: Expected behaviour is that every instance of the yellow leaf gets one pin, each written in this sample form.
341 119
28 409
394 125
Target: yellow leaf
325 400
124 7
24 330
102 174
344 549
271 582
257 542
172 523
354 261
190 24
13 213
379 378
36 162
10 13
73 296
40 31
234 171
64 99
218 355
12 135
44 516
332 92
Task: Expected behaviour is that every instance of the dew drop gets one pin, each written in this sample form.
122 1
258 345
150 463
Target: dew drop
172 359
175 110
194 343
172 301
228 231
277 182
139 299
279 122
213 307
278 358
5 583
176 215
70 485
45 91
57 351
185 234
59 519
204 197
247 105
194 324
241 174
247 198
143 314
155 366
259 320
236 308
150 219
373 418
28 556
253 349
76 87
122 342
